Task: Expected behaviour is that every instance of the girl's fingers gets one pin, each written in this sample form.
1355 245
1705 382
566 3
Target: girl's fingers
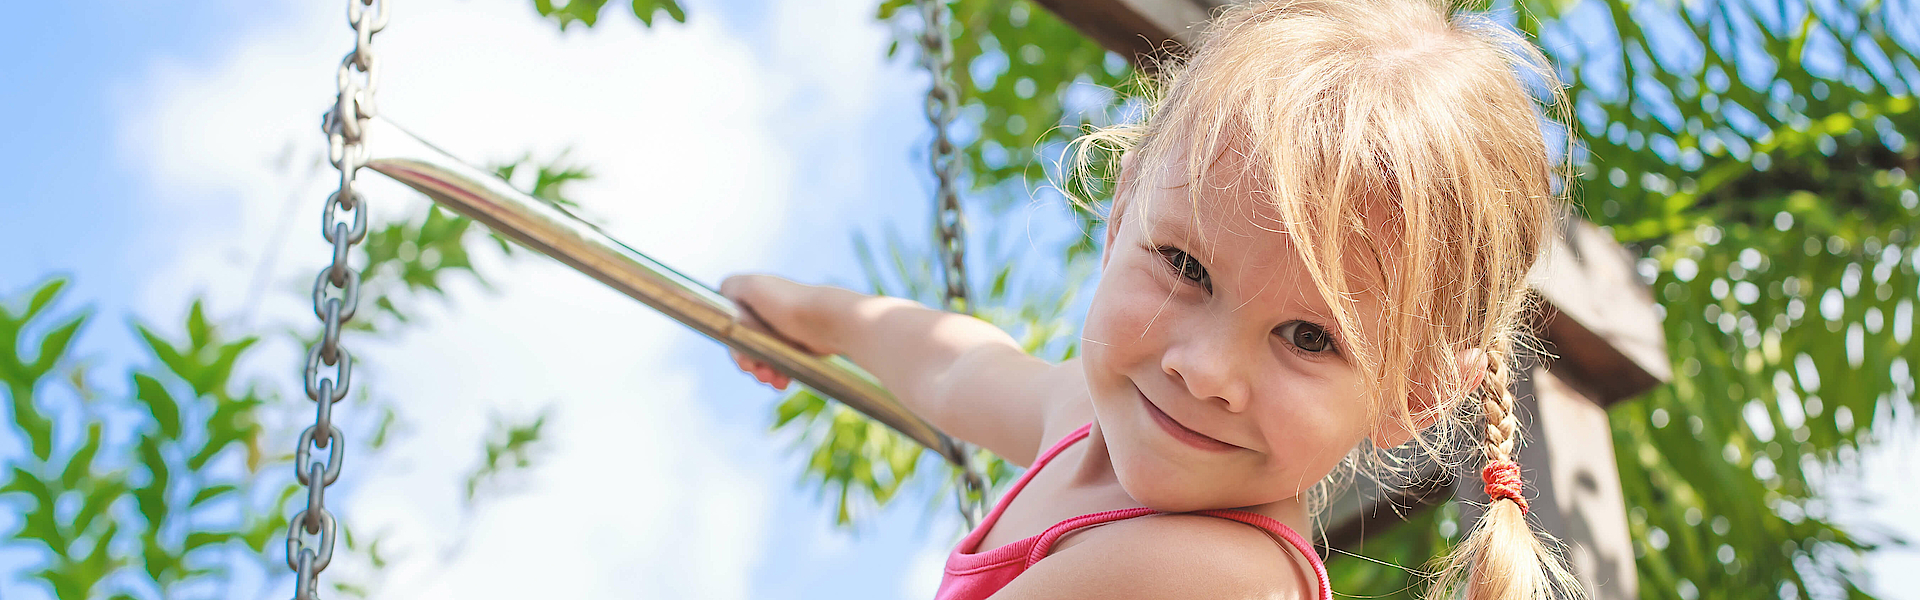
761 371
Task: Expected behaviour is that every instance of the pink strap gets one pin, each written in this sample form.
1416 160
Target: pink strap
969 545
1061 446
1286 533
1044 545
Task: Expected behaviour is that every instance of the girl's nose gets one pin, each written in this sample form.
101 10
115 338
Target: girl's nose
1211 368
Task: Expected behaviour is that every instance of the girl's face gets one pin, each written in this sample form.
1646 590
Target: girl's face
1217 374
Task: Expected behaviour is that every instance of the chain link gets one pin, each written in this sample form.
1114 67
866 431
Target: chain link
942 106
344 124
943 102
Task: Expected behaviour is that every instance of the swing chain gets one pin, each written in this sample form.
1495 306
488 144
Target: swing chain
943 104
344 124
942 107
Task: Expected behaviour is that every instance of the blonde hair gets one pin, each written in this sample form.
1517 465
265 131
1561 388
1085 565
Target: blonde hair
1417 114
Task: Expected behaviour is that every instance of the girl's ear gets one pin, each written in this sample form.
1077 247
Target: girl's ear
1122 189
1424 408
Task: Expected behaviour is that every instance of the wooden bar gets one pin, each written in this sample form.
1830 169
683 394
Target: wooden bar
1140 30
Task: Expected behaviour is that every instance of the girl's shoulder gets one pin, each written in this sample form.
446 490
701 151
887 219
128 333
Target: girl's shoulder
1069 406
1169 556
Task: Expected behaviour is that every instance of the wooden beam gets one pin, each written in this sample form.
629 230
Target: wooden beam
1599 316
1140 30
1597 320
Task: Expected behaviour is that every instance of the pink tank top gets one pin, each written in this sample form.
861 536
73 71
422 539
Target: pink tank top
974 575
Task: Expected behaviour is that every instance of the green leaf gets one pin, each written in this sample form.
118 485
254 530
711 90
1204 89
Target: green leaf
44 296
26 482
27 417
801 402
80 465
172 358
98 500
645 9
208 494
199 331
160 404
97 564
198 539
53 347
38 523
213 379
261 531
160 564
152 498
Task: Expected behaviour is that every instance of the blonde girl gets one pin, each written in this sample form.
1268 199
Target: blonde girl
1316 249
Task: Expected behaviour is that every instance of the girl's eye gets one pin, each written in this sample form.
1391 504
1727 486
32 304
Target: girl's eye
1307 336
1186 266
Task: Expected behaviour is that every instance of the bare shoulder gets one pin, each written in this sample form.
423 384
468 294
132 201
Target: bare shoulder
1067 403
1168 557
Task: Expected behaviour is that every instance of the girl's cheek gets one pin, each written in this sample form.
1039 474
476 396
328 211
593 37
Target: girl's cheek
1131 309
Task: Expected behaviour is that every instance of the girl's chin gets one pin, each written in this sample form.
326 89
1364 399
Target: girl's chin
1166 487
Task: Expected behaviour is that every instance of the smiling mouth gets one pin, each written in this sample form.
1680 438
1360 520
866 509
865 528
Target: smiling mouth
1181 432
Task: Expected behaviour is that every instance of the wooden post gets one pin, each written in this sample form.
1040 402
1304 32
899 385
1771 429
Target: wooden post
1605 345
1603 339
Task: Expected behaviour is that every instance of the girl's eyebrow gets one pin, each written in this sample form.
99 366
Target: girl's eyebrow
1163 224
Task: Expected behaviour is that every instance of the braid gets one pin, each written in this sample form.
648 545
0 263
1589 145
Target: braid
1502 473
1503 558
1497 407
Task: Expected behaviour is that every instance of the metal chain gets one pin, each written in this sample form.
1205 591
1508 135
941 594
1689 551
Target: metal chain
943 102
357 78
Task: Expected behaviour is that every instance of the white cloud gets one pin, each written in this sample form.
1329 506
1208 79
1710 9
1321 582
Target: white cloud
682 125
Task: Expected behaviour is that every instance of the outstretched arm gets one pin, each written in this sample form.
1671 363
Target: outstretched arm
963 375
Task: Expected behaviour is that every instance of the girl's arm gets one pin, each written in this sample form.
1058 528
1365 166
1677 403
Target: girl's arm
963 375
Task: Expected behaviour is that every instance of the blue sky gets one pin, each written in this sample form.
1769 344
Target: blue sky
143 149
146 172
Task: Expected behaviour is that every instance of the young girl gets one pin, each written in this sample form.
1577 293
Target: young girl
1317 248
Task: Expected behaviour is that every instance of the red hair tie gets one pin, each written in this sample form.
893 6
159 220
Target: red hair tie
1503 481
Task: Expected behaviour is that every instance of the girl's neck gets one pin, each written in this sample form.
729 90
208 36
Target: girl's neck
1095 471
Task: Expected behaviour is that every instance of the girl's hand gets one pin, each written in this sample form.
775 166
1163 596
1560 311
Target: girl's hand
763 298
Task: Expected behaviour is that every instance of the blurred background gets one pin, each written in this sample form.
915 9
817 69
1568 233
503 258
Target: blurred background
517 429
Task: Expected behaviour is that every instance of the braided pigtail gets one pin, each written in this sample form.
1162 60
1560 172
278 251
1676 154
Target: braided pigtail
1503 558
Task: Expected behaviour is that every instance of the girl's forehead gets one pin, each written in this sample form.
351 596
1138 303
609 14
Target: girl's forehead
1225 206
1230 206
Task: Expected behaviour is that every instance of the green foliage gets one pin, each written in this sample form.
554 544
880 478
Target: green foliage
167 488
1028 82
1770 196
510 447
176 517
587 12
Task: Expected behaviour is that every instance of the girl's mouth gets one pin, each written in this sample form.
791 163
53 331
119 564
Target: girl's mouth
1180 432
